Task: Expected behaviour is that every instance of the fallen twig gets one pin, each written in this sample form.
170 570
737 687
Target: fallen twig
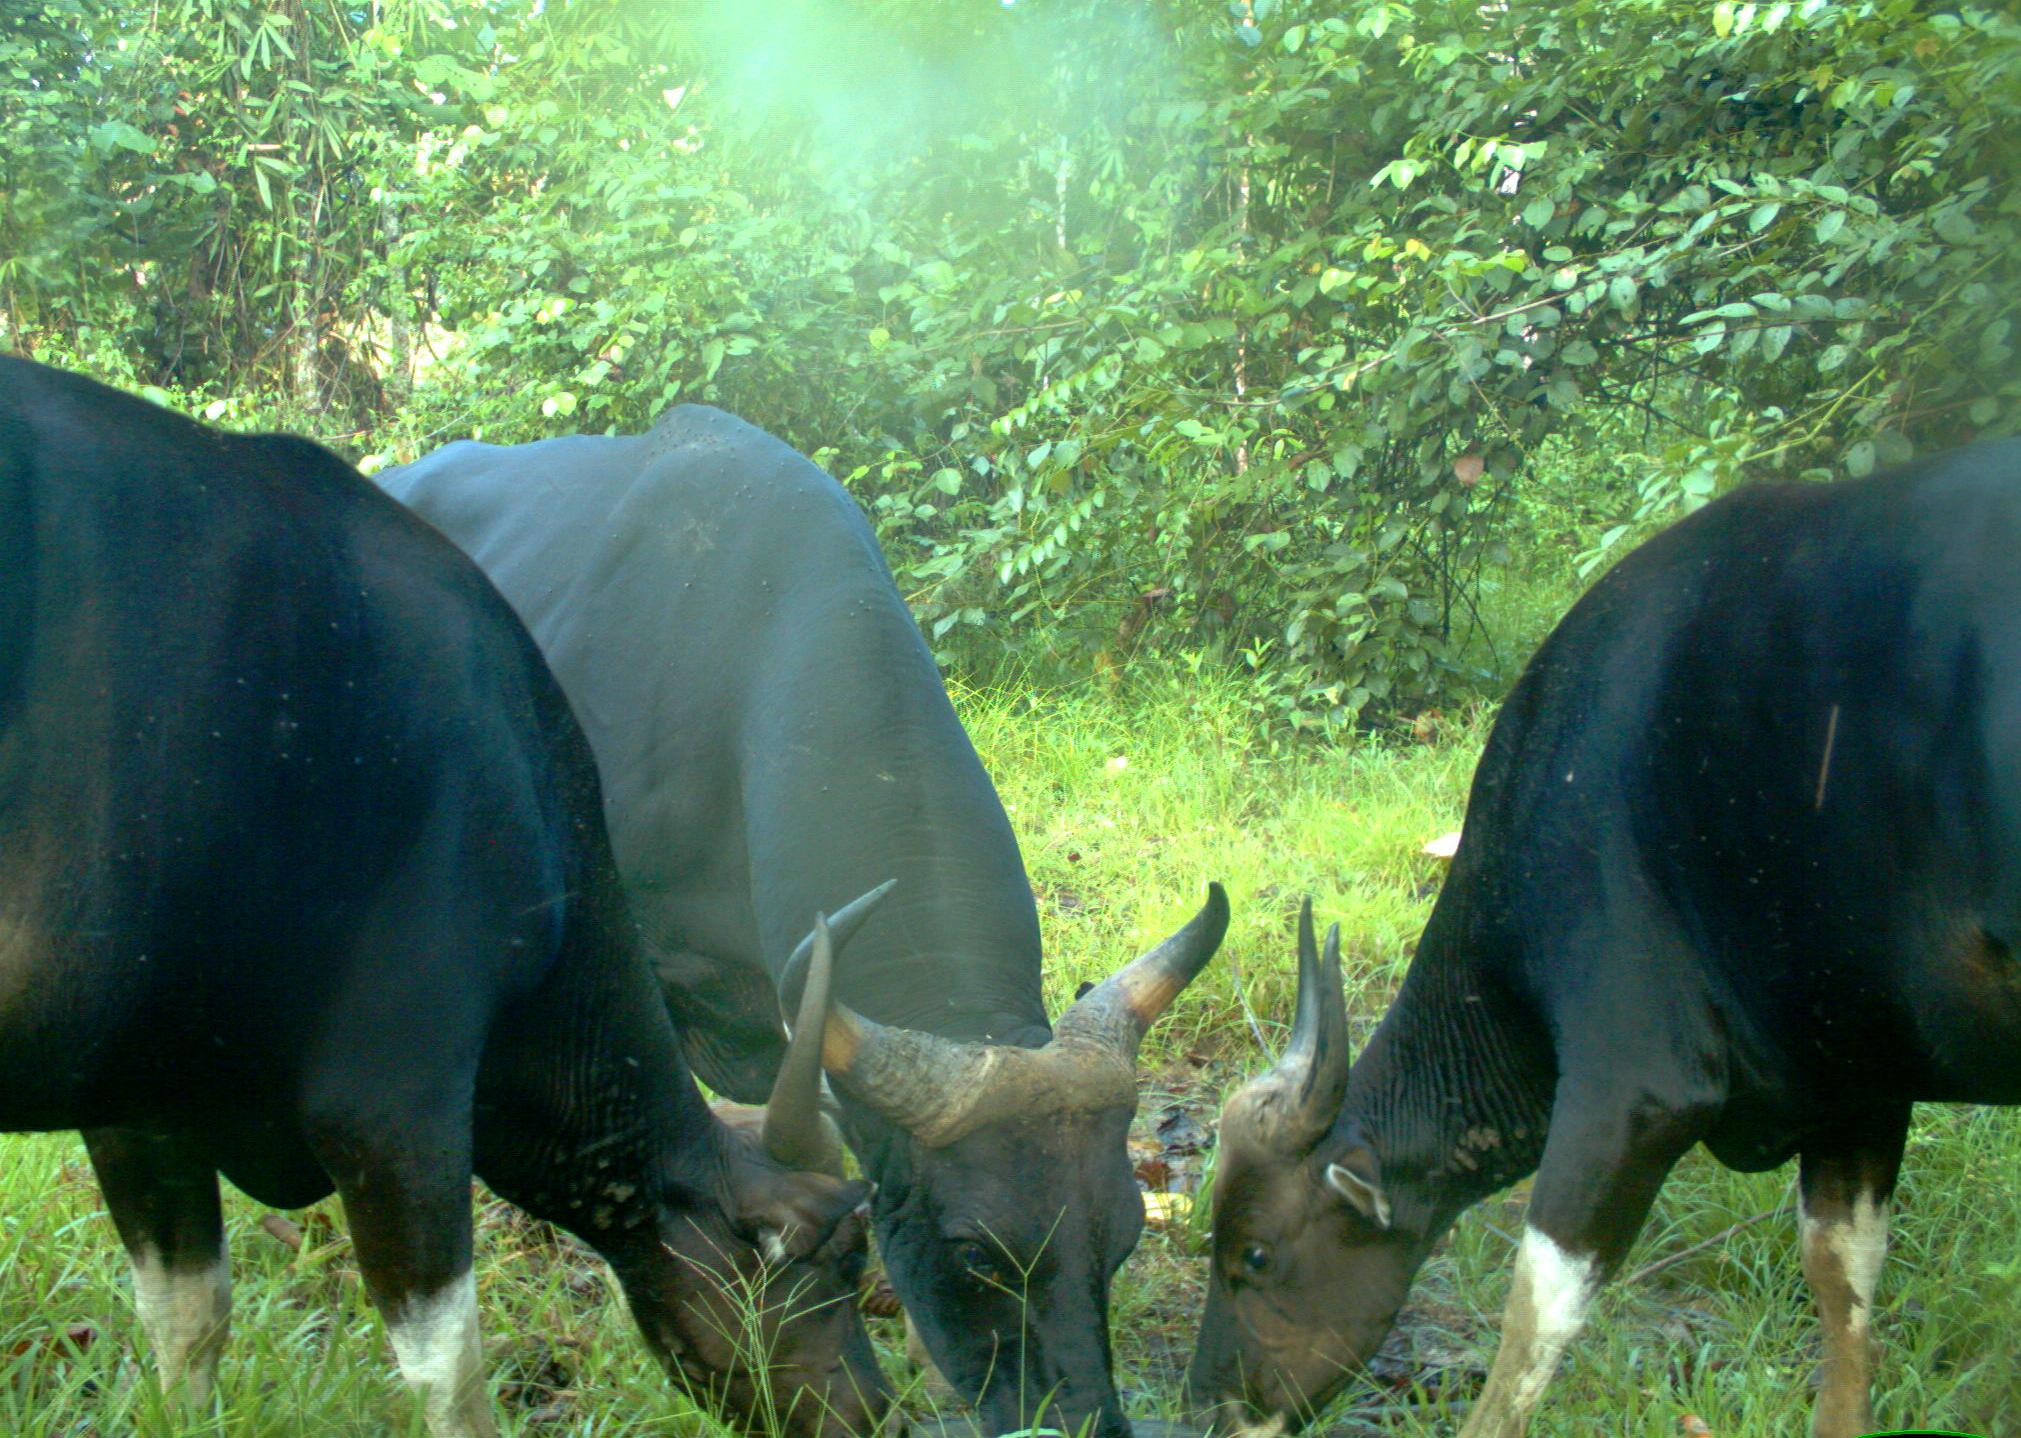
1672 1260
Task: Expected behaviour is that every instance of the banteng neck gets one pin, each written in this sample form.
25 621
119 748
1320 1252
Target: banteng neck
1454 1090
587 1114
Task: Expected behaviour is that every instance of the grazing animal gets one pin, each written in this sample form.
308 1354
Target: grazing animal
1741 867
774 738
304 881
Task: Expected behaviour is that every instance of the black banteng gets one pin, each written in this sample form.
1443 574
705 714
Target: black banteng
774 739
303 879
1741 867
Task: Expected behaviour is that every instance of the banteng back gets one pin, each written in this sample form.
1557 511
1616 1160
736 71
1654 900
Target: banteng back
775 739
1741 866
303 881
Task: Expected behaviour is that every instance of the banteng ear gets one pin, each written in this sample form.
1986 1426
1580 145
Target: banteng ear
795 1224
1355 1177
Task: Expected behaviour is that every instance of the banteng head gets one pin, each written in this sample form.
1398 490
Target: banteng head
1019 1203
749 1295
1310 1263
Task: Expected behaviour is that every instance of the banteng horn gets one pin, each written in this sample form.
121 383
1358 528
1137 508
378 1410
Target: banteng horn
794 1132
1289 1108
1120 1011
939 1089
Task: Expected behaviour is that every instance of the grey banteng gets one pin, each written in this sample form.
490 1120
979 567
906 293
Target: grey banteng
774 738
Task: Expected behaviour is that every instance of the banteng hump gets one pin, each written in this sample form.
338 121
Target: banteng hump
774 739
303 880
1741 867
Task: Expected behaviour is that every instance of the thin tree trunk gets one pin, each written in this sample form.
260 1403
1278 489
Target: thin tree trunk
1241 263
399 377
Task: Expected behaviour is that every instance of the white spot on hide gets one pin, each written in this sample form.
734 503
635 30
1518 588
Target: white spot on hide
184 1312
1269 1428
1859 1247
1560 1290
435 1337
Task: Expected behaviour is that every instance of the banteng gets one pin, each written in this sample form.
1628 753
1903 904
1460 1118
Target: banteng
774 739
1741 867
304 881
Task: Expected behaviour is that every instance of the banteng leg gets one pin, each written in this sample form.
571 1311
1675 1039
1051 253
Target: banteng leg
405 1183
1603 1163
1845 1187
164 1201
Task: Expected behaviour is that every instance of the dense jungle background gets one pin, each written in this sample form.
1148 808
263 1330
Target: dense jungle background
1240 390
1273 334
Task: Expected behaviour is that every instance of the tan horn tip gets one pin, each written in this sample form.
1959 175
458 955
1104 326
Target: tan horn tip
1121 1009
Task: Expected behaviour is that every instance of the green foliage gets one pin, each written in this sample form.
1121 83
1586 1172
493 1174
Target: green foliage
1259 332
201 192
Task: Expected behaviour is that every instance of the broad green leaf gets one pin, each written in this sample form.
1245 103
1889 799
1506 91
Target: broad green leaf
110 135
1954 225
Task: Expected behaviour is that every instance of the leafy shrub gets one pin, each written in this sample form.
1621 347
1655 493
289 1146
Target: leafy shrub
1258 333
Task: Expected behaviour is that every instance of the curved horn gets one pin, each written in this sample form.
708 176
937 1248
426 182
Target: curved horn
910 1078
938 1089
1117 1014
1299 1098
793 1131
925 1084
841 928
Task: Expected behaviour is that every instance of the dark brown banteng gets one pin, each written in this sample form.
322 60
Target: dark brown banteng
303 880
1741 867
774 739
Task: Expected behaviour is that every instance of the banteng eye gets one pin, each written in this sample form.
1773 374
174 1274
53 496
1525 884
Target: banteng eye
1256 1258
978 1258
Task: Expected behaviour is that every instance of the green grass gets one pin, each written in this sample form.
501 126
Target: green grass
1119 854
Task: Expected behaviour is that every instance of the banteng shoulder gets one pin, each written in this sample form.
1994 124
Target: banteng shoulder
712 462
